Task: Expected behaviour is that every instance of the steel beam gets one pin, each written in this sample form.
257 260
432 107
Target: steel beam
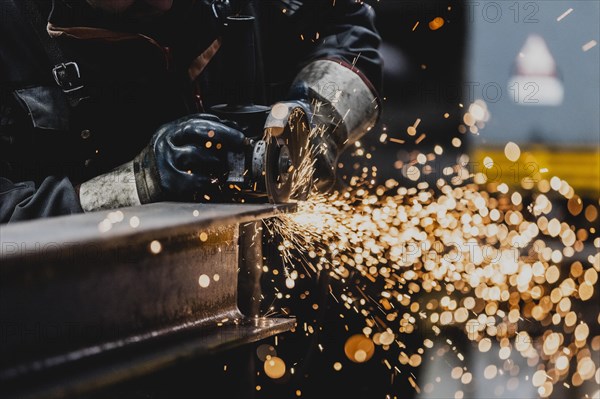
90 300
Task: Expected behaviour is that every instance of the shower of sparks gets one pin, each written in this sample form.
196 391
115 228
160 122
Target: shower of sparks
469 254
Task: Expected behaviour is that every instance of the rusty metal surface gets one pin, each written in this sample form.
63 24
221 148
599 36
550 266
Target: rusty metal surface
83 305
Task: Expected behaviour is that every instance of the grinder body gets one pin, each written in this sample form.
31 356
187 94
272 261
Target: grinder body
267 168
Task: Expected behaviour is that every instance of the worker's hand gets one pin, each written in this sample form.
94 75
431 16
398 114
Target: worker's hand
343 101
187 156
185 160
327 134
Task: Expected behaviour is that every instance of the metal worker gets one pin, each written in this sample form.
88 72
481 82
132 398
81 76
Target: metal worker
103 101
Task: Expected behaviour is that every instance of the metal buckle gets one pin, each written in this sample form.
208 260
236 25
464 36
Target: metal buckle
67 76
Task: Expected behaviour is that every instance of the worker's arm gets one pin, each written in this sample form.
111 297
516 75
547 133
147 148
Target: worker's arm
344 67
185 160
24 200
25 191
21 61
347 33
340 78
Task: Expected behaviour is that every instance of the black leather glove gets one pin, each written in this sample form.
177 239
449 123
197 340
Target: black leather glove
185 160
185 157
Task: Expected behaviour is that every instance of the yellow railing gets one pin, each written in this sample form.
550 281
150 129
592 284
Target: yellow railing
579 166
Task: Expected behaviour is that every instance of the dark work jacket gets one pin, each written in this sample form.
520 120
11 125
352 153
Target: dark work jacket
137 82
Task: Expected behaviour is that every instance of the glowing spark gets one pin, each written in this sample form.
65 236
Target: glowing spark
394 140
134 222
155 247
274 367
589 45
512 152
204 281
105 226
436 23
564 14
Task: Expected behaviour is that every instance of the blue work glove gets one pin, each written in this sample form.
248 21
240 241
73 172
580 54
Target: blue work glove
185 160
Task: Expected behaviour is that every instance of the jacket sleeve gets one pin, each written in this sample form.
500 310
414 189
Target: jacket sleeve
28 190
347 33
20 201
344 66
20 66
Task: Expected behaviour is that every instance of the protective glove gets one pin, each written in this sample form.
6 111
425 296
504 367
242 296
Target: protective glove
326 137
344 107
185 159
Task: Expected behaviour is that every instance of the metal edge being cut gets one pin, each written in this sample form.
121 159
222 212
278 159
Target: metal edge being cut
55 236
287 141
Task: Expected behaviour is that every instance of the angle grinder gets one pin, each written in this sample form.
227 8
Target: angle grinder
277 144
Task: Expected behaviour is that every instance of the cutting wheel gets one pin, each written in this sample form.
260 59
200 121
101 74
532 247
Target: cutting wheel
286 149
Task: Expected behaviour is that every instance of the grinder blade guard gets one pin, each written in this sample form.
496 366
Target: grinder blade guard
287 162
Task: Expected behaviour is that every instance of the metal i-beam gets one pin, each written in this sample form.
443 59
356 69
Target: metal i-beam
90 300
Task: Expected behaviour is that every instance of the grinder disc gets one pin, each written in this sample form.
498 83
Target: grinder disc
286 175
